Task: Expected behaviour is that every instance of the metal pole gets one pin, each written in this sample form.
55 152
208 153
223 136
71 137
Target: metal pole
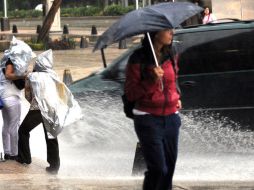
5 9
137 4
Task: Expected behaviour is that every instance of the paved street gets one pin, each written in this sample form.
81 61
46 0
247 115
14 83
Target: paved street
14 176
81 62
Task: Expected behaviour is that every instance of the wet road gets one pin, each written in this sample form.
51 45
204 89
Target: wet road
14 176
81 62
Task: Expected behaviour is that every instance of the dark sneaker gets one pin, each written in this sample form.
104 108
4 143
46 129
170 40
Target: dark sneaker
19 160
7 157
52 170
13 157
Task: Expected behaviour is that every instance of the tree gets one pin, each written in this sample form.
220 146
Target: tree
49 20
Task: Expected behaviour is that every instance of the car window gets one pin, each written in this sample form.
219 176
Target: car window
216 51
116 70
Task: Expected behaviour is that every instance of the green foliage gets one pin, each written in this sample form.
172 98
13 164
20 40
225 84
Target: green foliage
112 10
36 46
116 10
36 13
25 14
80 11
66 12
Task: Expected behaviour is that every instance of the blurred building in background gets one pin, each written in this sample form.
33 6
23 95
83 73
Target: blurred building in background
239 9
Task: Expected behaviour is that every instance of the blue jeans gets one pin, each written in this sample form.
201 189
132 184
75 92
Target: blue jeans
158 136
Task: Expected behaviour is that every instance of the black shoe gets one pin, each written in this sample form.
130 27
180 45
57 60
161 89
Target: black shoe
7 157
13 157
19 160
52 170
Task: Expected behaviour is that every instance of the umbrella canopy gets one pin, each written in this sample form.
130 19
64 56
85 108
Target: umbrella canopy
152 18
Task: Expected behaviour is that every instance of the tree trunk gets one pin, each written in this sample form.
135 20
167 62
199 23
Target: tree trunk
49 20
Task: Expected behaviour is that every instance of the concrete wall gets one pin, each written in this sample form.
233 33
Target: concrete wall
248 9
241 9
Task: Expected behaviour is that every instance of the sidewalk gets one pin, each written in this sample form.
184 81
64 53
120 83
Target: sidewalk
72 32
81 62
14 176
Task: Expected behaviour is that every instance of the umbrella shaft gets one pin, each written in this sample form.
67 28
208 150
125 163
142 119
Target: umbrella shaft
151 44
155 58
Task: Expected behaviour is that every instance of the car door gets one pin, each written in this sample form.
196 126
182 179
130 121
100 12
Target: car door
217 72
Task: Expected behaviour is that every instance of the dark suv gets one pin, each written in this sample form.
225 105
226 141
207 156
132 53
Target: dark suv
216 70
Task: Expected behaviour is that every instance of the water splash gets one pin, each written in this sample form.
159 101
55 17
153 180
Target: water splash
204 132
212 147
102 144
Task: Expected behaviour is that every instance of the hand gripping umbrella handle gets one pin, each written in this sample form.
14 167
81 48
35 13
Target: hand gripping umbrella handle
155 58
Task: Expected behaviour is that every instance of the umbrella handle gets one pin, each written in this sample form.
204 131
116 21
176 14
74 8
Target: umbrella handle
155 58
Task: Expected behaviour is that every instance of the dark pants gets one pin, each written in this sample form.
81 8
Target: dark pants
33 119
158 136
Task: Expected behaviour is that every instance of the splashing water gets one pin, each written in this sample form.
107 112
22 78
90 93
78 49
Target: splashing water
214 150
103 144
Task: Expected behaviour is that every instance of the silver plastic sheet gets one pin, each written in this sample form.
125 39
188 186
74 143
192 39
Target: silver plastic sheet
56 102
20 54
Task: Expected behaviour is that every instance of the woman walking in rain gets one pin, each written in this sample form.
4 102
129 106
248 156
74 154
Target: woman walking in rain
32 120
52 104
156 118
15 61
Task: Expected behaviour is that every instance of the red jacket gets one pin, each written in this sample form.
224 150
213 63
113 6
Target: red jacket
146 92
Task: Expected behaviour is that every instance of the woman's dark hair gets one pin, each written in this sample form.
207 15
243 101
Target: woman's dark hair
206 7
147 51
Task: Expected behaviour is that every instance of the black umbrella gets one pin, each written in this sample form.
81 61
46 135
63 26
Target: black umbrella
148 19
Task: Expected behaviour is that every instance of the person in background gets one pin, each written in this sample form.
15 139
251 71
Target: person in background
11 111
32 120
208 16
